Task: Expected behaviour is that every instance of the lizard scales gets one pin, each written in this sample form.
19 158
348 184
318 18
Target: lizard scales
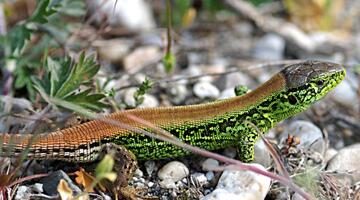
212 126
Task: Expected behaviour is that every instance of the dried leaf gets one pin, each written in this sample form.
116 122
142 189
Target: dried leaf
64 190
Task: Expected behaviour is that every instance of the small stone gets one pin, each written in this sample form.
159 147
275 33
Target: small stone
178 92
113 50
262 155
234 79
134 15
244 185
141 57
347 160
150 167
173 194
138 173
149 100
150 184
51 182
205 90
269 47
230 152
227 93
23 192
209 163
167 183
210 175
174 171
297 196
244 28
199 179
17 104
330 153
310 135
38 187
344 94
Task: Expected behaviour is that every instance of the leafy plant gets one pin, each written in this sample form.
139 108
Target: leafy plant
21 58
139 94
64 77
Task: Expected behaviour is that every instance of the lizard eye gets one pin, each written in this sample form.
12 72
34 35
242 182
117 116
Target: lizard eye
320 83
292 100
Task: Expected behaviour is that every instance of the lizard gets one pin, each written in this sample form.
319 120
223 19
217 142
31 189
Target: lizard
214 125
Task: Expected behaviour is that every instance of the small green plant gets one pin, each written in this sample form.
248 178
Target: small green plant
139 94
64 78
22 55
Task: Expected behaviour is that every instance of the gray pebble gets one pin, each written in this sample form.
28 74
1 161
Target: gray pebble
178 92
198 179
23 192
244 185
262 155
51 182
149 100
347 160
344 94
227 93
269 47
209 163
205 90
174 171
210 175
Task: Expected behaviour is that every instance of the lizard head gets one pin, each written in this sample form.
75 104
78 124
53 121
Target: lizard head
304 84
309 81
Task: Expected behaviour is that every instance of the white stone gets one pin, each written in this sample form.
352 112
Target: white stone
237 78
178 92
209 163
138 173
261 154
174 171
227 93
150 184
135 15
347 160
206 90
23 192
38 187
149 102
199 178
330 153
241 185
345 94
167 183
128 98
269 47
210 175
141 57
113 50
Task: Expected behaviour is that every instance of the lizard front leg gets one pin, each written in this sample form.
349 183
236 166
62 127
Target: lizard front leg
125 165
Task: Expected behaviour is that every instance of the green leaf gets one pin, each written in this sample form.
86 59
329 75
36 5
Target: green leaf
17 37
80 73
86 100
105 166
139 94
43 11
